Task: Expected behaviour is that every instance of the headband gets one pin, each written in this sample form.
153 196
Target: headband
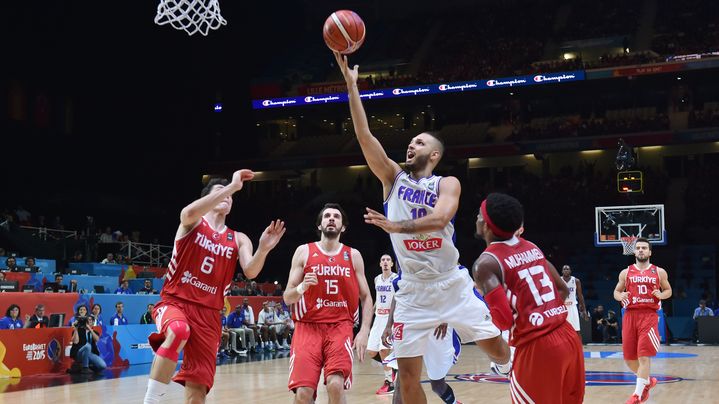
496 230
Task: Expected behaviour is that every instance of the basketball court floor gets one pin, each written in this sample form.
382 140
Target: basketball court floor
687 374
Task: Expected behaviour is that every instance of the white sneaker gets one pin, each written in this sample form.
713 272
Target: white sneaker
242 352
495 369
285 346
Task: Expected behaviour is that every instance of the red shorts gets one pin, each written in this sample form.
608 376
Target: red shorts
640 333
549 369
200 352
316 346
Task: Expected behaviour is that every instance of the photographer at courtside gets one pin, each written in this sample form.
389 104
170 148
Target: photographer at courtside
84 349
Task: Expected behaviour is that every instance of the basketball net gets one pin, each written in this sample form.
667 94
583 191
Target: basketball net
628 243
190 15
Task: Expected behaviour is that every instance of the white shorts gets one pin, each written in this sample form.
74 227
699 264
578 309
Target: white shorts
573 316
422 305
374 343
439 357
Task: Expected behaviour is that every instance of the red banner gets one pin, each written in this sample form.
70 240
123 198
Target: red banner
651 69
54 303
34 351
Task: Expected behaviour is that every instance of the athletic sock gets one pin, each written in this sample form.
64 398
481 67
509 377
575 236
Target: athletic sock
155 391
448 396
639 389
388 374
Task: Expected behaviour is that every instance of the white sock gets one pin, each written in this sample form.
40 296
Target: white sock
639 389
388 374
155 391
504 368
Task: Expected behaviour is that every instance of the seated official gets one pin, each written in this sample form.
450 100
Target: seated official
30 265
11 265
119 318
12 320
124 289
84 345
38 319
147 317
147 289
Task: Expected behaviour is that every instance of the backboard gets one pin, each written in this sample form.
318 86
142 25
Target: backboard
614 222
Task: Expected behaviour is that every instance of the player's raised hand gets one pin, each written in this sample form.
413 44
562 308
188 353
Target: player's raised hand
350 75
380 220
240 176
360 344
272 235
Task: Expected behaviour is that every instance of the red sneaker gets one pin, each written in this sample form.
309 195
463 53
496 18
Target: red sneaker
387 388
634 399
645 393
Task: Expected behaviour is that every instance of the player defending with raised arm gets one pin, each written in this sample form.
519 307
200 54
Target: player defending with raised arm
640 289
198 278
325 286
433 287
548 364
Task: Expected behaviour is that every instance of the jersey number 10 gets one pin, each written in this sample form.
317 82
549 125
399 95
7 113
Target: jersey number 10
544 281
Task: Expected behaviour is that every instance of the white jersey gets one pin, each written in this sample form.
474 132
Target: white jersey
384 293
420 255
572 297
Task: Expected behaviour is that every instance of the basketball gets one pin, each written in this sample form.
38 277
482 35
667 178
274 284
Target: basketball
344 31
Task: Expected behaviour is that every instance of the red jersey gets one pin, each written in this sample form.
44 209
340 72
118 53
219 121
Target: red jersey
335 298
640 285
202 266
537 308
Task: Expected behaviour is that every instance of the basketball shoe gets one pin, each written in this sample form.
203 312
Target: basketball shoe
645 392
387 388
634 399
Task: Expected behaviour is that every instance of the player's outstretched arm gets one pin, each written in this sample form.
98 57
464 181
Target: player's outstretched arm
192 213
252 263
360 341
558 282
620 293
488 279
381 165
297 284
444 211
666 291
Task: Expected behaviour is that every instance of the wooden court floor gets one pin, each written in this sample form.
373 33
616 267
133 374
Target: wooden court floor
266 381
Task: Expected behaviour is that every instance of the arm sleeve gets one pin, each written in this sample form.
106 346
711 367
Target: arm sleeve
499 308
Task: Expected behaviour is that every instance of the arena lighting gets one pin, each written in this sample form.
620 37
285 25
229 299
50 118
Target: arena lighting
217 107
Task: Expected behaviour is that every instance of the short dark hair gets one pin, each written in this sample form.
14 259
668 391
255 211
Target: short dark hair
505 211
117 304
644 240
98 305
9 309
211 183
435 134
345 219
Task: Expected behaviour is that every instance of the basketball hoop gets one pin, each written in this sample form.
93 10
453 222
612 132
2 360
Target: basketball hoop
628 243
190 15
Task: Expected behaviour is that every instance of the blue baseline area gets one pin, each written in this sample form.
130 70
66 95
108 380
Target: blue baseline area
425 89
619 355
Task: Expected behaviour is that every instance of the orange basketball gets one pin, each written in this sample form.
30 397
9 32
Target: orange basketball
344 31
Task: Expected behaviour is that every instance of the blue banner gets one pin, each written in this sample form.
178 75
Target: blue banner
424 89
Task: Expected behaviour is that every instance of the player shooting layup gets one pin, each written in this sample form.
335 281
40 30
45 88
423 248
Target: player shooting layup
198 278
433 287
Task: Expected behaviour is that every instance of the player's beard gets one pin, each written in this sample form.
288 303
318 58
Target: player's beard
642 260
330 234
419 163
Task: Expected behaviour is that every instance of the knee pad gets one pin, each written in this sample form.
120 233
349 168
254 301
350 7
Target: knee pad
182 333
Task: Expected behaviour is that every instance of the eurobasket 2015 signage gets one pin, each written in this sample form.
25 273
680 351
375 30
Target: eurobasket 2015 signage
423 89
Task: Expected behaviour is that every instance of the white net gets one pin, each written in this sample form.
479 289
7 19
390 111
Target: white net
628 244
192 16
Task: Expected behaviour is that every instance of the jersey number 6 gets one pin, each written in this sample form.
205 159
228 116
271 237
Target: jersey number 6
207 265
